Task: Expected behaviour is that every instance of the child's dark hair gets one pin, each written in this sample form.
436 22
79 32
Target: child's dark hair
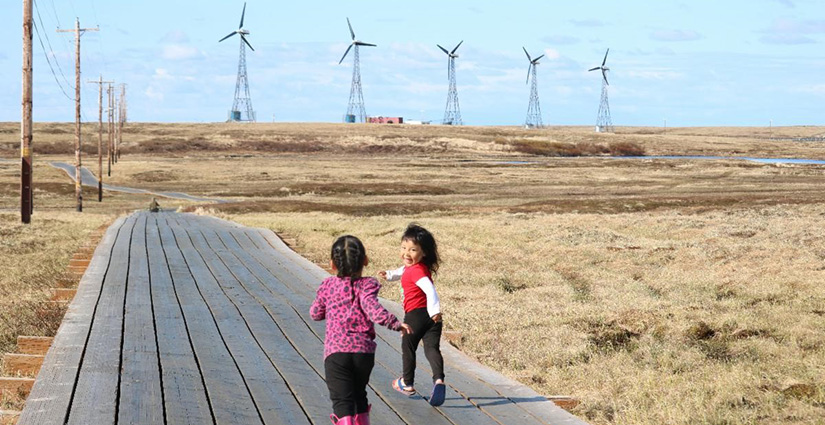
423 238
348 254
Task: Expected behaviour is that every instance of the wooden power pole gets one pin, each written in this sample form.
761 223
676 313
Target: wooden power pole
121 116
78 180
110 125
100 83
26 193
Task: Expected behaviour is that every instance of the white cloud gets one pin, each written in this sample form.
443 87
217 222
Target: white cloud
162 74
793 31
552 54
176 36
153 94
179 52
790 39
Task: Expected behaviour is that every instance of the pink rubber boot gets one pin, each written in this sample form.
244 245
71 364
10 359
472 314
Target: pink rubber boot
363 418
346 420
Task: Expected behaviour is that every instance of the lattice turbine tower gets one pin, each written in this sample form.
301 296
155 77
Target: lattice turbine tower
355 107
242 105
534 108
604 124
452 112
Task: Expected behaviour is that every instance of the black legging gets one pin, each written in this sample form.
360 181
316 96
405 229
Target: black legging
423 328
347 377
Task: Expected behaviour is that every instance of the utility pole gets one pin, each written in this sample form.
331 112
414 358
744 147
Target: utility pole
121 114
78 180
99 83
110 125
26 193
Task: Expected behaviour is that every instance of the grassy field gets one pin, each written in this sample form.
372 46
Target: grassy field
655 291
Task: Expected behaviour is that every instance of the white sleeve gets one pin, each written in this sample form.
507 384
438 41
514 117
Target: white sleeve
433 304
395 274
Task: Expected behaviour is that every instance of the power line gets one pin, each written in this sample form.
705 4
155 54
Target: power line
48 41
50 63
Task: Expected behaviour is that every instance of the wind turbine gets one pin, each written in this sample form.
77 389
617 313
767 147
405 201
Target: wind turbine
534 109
356 96
452 113
242 105
603 121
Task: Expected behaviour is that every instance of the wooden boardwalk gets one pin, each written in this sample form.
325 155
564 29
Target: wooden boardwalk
184 319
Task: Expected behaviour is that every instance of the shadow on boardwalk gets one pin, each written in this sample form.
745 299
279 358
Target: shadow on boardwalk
184 319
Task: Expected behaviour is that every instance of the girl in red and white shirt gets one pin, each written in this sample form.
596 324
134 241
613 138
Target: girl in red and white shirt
422 309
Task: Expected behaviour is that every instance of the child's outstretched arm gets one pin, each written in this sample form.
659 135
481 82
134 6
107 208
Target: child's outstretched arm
318 310
392 275
368 295
433 303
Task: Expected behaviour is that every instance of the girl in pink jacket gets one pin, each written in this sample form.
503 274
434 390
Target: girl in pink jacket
349 303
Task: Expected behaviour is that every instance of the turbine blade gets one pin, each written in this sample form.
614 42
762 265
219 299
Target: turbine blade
593 69
537 59
345 54
350 29
528 55
604 75
230 35
242 15
529 68
456 47
361 43
605 56
247 42
443 49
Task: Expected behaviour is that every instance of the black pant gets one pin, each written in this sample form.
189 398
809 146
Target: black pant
423 328
347 377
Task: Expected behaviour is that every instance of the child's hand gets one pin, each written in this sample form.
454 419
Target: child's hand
406 329
383 274
436 318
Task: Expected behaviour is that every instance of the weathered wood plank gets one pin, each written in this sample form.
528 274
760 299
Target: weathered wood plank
183 388
226 390
95 394
9 417
34 344
16 385
26 364
272 396
140 400
51 396
63 294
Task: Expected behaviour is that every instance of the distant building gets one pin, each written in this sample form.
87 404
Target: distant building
385 120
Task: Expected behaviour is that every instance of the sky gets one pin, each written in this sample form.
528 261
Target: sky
674 63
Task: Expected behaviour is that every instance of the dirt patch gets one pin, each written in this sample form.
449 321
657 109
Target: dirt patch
155 176
359 210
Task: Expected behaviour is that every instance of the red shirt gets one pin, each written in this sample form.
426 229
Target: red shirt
414 297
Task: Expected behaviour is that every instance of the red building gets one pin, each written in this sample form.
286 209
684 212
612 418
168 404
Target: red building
385 120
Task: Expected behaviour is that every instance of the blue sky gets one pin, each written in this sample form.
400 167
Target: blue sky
693 63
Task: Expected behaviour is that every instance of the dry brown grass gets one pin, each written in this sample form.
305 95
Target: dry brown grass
656 291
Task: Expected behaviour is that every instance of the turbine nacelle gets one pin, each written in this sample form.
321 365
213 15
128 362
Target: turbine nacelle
355 42
603 68
533 63
451 55
240 31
